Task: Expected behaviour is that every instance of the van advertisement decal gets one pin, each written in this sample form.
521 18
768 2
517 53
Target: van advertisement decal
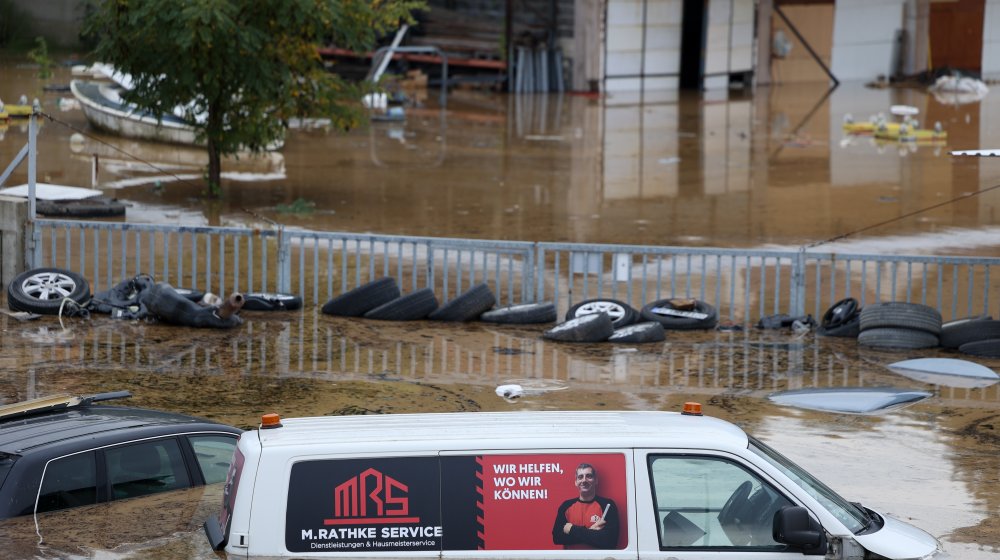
485 502
551 502
364 505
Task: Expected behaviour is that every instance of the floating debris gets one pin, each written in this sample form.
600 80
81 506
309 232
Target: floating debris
849 400
948 372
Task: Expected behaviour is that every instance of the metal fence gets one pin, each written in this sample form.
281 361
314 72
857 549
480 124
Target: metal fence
743 285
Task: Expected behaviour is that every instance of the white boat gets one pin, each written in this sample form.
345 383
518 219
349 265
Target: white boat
105 109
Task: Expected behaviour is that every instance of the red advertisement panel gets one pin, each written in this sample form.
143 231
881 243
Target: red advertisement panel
554 501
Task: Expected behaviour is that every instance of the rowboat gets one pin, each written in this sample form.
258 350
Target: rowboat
105 109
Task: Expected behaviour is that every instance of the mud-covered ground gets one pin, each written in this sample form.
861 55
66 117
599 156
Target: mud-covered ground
934 463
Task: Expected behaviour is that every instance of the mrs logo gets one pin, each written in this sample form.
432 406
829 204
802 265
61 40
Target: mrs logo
371 497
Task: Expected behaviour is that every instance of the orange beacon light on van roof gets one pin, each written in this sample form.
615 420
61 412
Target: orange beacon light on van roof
271 420
692 409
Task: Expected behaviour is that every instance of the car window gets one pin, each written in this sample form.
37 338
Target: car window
145 468
69 482
708 502
214 453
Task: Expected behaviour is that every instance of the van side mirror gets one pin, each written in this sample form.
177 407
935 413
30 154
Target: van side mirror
795 527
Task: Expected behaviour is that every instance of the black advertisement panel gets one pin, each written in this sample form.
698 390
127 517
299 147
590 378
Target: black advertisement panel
390 504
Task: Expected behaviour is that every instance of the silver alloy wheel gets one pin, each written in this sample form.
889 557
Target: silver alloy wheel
48 286
614 310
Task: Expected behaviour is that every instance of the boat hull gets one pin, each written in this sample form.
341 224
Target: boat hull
106 111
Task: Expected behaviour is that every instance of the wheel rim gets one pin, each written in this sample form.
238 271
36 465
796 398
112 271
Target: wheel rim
614 310
48 286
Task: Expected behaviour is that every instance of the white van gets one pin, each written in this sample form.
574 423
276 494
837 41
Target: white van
552 485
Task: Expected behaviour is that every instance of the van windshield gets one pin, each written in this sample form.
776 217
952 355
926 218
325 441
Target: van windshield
855 518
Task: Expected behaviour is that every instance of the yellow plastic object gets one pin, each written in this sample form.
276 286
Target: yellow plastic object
18 110
922 135
867 127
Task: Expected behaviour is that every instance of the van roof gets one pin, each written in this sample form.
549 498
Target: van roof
507 430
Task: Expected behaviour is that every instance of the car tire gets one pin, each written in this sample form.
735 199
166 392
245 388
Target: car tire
364 298
850 329
411 307
264 301
840 313
596 327
891 337
649 331
621 313
467 306
958 333
901 314
42 290
671 322
989 348
522 314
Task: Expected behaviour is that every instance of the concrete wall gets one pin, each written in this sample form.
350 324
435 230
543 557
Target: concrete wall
863 36
991 40
729 41
13 222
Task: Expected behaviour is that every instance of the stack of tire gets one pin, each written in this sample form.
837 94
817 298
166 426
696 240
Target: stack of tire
976 336
899 324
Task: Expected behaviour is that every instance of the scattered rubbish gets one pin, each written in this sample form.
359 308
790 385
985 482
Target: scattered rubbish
802 323
20 315
510 392
976 153
904 110
68 104
849 400
948 372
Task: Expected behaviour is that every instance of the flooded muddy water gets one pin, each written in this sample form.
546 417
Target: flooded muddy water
722 169
715 169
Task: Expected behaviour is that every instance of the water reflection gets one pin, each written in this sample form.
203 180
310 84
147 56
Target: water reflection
322 348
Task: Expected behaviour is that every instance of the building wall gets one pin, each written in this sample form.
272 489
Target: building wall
863 38
991 41
59 21
729 41
815 23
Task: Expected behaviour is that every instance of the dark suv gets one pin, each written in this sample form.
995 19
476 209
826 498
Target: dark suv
62 452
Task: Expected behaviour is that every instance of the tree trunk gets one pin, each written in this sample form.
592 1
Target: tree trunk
214 170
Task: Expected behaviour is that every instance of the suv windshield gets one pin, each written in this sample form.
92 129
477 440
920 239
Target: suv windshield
853 517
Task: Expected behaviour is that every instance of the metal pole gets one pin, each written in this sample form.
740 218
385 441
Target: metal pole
32 157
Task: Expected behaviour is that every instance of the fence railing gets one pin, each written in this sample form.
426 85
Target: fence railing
743 285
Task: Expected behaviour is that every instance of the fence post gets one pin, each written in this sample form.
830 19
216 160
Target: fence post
797 295
539 272
284 262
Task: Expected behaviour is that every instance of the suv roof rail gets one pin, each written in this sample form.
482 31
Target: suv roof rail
54 403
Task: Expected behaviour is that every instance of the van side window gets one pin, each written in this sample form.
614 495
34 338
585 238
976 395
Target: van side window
69 482
708 502
146 468
214 454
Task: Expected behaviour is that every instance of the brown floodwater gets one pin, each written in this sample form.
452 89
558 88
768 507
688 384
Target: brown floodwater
723 169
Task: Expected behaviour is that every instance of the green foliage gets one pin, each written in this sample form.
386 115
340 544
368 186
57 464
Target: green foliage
249 66
299 206
40 56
